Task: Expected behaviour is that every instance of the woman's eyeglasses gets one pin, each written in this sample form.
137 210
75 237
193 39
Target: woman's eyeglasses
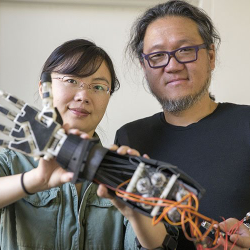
74 83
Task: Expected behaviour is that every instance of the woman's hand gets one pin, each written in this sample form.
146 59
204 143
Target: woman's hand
50 174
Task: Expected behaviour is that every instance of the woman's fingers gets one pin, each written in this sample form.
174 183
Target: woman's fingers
67 177
75 131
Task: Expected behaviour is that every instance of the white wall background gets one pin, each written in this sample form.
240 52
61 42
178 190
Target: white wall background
30 31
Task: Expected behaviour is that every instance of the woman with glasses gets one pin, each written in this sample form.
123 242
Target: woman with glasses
46 211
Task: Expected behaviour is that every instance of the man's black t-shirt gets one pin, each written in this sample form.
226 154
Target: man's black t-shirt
214 151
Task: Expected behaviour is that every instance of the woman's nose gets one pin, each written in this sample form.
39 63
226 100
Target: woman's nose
82 95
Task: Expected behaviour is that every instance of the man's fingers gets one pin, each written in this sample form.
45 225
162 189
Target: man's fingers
241 241
102 191
133 152
242 238
123 150
146 156
127 150
113 147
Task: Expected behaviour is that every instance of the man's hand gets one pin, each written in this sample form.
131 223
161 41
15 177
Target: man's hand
240 238
149 236
103 191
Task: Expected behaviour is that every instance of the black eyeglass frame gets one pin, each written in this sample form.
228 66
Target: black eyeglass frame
172 54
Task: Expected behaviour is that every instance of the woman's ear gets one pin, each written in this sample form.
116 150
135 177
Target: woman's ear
40 89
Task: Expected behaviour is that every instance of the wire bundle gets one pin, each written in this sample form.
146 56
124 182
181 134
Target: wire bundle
187 207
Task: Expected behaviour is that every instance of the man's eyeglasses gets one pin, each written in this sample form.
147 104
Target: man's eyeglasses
161 59
74 83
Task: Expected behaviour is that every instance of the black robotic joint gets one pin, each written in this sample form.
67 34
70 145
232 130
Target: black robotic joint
82 157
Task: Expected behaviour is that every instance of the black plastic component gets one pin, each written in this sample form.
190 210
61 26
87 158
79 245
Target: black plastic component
29 115
23 146
67 150
90 161
76 153
48 114
18 134
2 127
13 99
4 110
46 95
58 118
17 126
46 77
95 158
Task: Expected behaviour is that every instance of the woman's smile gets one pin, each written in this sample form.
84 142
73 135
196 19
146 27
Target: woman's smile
80 112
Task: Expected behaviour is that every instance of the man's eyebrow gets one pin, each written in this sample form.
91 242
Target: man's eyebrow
156 46
179 43
101 79
186 41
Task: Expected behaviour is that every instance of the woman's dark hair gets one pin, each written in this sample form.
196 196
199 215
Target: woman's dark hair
80 58
171 8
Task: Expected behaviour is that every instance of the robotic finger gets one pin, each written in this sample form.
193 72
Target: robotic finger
5 129
20 130
17 102
4 143
11 115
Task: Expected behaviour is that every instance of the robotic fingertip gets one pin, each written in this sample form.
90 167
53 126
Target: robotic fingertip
3 94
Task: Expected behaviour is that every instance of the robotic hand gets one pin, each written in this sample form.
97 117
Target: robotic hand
151 187
35 133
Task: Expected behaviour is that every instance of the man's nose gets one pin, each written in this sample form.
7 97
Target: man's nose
173 65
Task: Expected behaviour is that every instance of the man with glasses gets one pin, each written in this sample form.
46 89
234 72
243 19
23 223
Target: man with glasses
176 45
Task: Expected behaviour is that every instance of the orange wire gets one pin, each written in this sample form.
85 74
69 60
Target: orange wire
187 207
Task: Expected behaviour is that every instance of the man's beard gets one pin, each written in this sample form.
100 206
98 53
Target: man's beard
176 106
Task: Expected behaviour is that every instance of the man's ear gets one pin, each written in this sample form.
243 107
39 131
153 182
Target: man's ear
40 89
143 65
211 55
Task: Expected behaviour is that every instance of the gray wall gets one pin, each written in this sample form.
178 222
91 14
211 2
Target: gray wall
30 31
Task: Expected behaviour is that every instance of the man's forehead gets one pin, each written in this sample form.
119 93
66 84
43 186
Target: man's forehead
172 24
172 30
